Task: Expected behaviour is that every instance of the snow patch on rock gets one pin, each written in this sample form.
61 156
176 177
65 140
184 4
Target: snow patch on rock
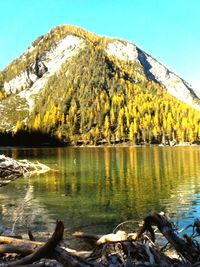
122 50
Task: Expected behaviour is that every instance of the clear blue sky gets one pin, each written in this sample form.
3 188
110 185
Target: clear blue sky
169 30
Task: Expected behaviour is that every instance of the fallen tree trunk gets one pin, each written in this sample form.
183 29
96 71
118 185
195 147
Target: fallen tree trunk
11 169
185 247
134 249
39 250
68 259
44 251
22 249
11 240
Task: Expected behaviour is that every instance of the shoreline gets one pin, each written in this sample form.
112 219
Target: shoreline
122 145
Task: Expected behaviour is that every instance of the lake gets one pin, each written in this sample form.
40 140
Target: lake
94 188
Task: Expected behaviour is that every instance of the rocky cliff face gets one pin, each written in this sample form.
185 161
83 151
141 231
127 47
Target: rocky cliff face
29 82
154 70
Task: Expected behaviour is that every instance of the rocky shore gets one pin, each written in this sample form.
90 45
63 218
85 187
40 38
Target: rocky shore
156 242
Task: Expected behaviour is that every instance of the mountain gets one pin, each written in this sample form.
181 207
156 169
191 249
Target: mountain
79 87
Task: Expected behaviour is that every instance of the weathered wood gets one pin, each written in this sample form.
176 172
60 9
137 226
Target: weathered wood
18 248
11 240
128 251
40 264
30 235
83 254
44 251
69 260
38 250
11 169
88 238
24 247
187 249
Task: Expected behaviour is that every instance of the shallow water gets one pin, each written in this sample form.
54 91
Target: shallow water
94 189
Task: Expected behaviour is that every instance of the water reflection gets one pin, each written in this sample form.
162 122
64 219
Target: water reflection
89 187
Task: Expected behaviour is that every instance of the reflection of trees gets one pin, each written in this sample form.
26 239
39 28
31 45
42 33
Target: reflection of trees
109 184
184 194
125 182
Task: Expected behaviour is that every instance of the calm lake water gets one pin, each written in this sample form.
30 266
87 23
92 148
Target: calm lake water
94 189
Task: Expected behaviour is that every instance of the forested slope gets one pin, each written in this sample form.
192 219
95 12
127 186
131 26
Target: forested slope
96 97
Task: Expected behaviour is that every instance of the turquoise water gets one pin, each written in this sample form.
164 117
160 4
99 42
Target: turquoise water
94 189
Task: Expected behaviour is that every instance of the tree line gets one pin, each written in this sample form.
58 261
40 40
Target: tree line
96 98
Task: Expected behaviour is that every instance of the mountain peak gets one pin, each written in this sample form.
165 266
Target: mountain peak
70 69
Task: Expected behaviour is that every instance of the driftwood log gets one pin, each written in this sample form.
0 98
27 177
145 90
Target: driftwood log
112 250
34 251
11 169
184 246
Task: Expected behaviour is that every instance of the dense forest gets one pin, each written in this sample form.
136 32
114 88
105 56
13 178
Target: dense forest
97 98
101 100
